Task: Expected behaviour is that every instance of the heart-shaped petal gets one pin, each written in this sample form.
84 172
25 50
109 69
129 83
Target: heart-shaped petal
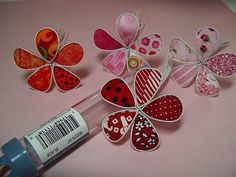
144 135
116 125
70 55
222 64
147 83
165 108
65 80
127 26
47 42
27 60
41 79
148 45
117 92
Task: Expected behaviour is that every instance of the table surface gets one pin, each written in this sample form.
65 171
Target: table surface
203 143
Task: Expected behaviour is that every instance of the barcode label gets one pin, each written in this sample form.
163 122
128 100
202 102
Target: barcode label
57 134
57 131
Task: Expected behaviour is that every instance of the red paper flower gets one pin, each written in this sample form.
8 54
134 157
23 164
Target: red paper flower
50 65
138 109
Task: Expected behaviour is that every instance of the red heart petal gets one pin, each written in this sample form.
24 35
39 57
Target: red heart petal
144 135
164 108
116 125
117 92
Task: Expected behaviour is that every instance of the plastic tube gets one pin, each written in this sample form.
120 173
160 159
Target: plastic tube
41 146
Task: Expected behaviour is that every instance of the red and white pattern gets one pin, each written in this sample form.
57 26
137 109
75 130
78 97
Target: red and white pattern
147 83
116 125
144 135
207 42
128 29
166 108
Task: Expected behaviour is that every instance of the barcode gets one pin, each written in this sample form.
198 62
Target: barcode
59 129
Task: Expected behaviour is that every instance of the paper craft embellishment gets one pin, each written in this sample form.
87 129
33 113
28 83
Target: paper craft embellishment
128 28
202 63
50 66
139 109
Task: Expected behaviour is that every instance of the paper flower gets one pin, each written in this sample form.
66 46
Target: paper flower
128 28
138 109
50 66
202 63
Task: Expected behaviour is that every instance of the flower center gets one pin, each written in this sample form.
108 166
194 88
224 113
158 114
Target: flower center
52 63
134 62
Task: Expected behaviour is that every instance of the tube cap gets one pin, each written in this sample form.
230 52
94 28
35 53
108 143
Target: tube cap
18 159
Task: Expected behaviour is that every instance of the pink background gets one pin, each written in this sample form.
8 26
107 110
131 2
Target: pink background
202 144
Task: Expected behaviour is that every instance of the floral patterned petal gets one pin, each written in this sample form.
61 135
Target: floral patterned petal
206 84
27 60
127 26
222 64
148 45
47 42
116 125
206 40
144 136
41 79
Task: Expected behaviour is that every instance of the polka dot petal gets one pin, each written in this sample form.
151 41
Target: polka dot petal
222 64
117 92
64 79
164 108
148 45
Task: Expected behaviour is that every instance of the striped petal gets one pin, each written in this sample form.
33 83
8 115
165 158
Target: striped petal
184 74
147 83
